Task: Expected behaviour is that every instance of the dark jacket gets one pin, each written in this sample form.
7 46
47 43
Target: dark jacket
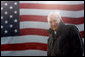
66 41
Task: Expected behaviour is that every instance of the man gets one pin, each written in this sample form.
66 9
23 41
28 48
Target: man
65 40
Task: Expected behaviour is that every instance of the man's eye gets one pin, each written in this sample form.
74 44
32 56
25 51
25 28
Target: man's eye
50 22
54 20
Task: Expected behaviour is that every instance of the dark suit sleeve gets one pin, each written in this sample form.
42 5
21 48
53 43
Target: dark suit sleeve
75 42
48 48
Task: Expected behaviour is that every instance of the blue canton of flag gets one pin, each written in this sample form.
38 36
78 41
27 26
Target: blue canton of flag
9 18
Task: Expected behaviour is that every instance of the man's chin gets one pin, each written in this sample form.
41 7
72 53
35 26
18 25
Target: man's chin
54 29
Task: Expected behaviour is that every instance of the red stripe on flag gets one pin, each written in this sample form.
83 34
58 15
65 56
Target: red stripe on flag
44 19
52 6
82 34
75 21
24 46
33 31
33 18
36 31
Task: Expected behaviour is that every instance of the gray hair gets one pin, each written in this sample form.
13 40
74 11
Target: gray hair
57 14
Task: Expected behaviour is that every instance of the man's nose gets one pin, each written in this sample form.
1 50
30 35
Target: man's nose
53 23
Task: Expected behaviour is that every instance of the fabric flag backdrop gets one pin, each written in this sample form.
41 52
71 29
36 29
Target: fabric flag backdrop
24 24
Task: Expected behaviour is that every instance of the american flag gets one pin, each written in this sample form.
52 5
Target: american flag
24 24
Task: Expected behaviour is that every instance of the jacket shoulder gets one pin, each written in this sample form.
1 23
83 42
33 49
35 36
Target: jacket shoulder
71 27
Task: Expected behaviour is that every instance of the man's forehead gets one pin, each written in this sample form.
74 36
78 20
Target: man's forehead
53 16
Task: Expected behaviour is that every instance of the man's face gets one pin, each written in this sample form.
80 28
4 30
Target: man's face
54 22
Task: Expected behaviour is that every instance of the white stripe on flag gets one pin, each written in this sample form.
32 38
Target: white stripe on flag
54 2
63 13
24 53
24 39
43 25
83 40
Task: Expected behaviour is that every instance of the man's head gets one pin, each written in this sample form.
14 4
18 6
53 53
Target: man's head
54 20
